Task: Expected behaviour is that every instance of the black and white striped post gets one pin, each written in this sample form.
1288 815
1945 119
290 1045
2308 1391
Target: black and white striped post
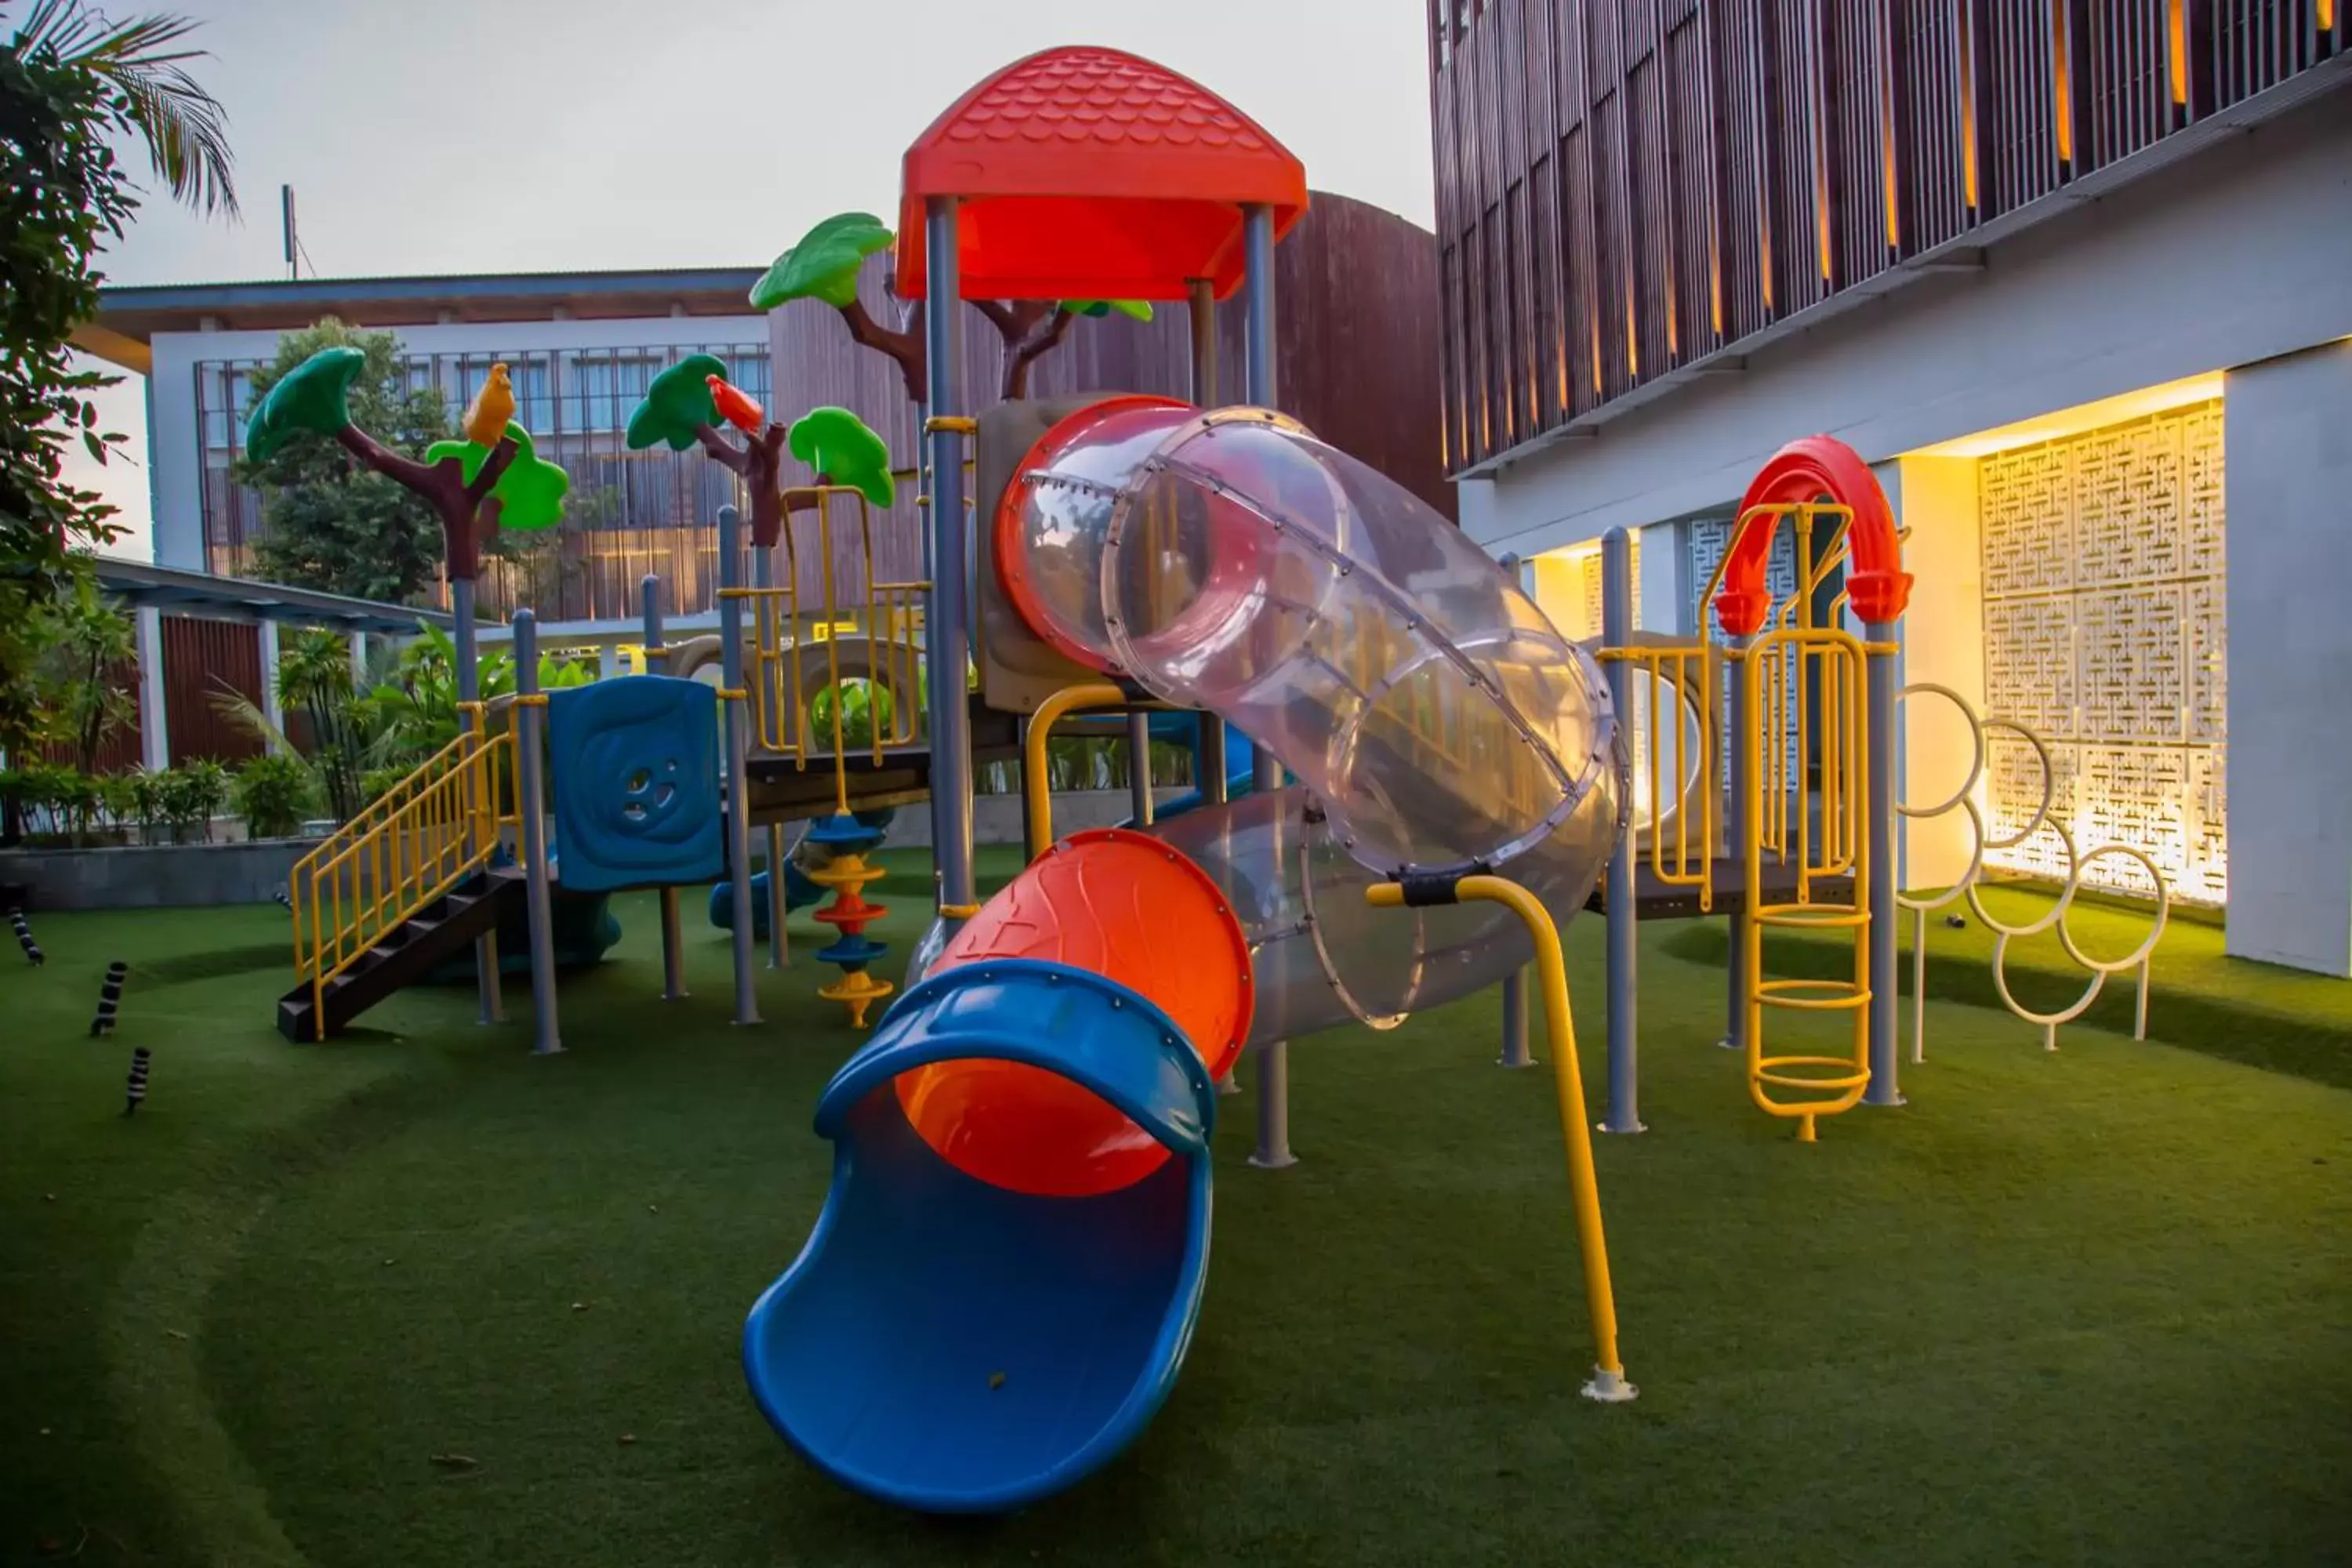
33 953
135 1089
109 999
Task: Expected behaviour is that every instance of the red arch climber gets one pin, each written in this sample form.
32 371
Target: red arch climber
1806 469
1090 174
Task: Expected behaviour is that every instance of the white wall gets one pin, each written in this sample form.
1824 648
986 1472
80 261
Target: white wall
2288 429
1943 645
2236 255
175 461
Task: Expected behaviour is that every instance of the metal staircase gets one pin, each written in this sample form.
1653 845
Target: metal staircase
402 886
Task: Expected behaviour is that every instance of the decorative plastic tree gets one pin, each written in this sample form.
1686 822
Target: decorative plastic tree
824 265
685 407
461 480
844 450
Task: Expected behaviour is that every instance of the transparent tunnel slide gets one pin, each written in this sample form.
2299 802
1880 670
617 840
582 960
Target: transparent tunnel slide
1434 720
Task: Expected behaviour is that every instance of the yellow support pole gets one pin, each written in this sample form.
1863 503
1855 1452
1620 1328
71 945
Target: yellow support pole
1607 1384
1036 799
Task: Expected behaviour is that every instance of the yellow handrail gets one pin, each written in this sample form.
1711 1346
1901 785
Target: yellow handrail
1576 1127
1674 671
421 838
1036 794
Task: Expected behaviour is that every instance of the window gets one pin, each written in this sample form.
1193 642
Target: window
610 386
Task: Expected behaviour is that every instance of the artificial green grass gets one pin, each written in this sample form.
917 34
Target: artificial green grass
2284 1020
2086 1307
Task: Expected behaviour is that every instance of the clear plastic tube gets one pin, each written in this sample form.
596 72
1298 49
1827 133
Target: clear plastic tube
1435 720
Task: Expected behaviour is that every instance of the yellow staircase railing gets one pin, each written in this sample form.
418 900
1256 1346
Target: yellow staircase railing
421 838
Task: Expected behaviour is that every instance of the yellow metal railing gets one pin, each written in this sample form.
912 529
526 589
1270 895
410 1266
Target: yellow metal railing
793 641
417 841
1819 822
1608 1383
1677 673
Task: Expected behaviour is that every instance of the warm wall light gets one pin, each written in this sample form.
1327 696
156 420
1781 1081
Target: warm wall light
2177 35
2062 85
2082 417
1967 125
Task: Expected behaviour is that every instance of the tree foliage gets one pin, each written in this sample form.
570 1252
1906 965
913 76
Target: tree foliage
839 445
530 492
823 265
677 402
327 522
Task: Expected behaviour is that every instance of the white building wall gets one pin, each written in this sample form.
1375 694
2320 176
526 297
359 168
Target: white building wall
2289 470
176 459
2235 256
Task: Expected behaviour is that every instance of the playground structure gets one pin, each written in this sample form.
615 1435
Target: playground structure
1409 781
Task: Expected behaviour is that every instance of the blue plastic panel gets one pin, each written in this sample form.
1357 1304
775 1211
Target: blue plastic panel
635 762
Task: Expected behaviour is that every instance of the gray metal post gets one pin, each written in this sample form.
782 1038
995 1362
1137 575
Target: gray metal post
764 569
488 995
530 810
948 617
738 802
1735 828
1514 1021
1201 298
1138 768
1212 785
1881 676
1624 991
672 934
1258 328
1272 1150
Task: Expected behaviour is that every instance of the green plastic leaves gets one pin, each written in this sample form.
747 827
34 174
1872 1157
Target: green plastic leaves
837 444
679 400
823 265
1133 310
529 493
310 396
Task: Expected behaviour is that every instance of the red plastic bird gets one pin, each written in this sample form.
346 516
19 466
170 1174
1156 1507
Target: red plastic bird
736 407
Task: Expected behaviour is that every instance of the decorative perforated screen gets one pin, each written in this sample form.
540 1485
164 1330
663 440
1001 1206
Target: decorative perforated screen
2105 633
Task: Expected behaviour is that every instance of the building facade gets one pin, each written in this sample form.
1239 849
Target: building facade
1359 336
2067 272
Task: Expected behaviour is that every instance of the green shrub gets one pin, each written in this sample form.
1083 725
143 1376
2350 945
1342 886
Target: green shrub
192 794
273 792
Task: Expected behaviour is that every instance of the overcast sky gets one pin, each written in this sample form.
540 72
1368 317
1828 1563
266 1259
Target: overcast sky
433 136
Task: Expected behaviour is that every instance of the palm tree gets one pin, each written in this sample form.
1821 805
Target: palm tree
185 127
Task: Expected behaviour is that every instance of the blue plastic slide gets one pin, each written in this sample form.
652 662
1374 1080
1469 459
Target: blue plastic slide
954 1346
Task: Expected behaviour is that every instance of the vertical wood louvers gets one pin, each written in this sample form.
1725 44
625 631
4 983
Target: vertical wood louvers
1625 185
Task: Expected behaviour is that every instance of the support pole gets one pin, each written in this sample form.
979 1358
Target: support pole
947 619
649 599
1514 1021
530 811
739 801
489 998
1201 307
154 734
1879 675
1273 1057
1736 826
763 567
1624 987
272 710
1138 768
359 657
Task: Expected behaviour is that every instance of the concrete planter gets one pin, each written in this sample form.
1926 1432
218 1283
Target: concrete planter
152 876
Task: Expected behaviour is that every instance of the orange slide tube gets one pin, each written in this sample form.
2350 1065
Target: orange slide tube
1127 907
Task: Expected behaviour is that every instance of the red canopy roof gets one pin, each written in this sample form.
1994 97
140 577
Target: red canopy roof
1089 174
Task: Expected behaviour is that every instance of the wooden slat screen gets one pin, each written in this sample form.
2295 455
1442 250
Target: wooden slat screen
1625 185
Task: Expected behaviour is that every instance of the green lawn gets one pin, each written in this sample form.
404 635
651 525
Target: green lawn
2087 1307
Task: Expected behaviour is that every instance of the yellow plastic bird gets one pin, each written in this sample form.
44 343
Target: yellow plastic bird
487 415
